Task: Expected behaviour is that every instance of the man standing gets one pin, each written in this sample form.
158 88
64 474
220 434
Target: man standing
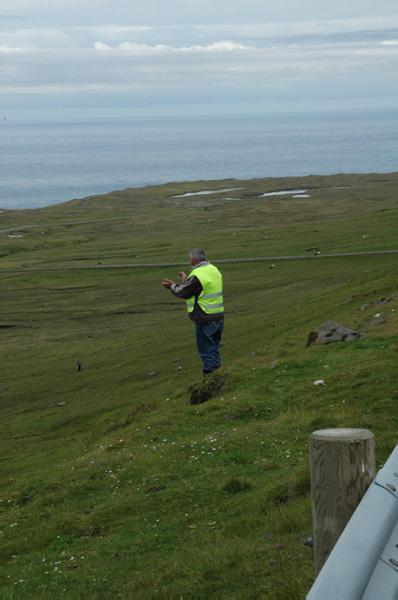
203 293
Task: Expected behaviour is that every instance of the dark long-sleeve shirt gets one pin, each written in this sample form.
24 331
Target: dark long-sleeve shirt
192 288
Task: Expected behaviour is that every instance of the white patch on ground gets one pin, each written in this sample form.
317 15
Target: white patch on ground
284 193
203 192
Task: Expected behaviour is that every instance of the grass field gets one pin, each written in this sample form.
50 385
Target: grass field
114 485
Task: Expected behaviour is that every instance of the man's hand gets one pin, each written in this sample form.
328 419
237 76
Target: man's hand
167 283
183 276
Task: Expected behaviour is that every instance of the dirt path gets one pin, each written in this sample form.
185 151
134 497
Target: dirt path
67 224
226 260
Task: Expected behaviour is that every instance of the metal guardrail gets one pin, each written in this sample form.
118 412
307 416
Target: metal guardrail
363 564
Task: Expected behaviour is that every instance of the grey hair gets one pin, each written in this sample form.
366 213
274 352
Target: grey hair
198 254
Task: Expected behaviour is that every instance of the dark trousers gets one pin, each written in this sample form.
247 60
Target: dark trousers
208 338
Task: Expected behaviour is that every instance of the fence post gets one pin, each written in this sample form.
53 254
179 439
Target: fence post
343 465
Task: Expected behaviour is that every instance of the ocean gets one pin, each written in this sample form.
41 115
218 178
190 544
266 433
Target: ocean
48 163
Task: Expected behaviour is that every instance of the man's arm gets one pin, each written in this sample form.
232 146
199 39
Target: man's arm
167 283
192 287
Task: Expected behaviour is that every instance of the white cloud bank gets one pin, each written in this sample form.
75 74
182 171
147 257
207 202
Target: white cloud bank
200 54
135 48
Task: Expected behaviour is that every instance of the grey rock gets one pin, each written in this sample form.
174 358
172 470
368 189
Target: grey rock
381 301
61 403
330 332
151 374
378 321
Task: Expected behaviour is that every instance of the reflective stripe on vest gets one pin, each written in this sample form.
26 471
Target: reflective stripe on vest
211 298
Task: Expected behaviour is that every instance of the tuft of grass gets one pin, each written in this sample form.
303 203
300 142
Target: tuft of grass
236 484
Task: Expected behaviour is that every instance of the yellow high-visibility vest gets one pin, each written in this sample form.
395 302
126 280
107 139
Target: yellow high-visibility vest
211 298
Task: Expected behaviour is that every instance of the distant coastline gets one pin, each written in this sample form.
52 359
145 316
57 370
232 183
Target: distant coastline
44 164
279 185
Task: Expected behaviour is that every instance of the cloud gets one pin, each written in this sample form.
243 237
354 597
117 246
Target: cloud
247 33
16 50
390 43
101 46
223 46
132 67
135 48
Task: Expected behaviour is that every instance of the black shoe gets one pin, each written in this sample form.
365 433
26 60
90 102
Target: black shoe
212 371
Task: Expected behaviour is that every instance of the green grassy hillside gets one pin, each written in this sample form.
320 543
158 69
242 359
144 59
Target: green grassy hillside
114 485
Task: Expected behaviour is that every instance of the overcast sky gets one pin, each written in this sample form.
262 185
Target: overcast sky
133 58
